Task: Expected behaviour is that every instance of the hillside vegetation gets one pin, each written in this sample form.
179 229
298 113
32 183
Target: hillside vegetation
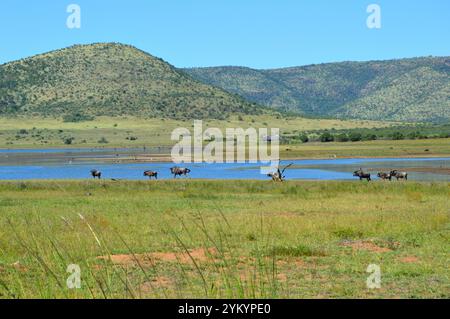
410 90
109 79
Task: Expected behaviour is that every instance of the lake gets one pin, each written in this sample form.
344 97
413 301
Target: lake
77 163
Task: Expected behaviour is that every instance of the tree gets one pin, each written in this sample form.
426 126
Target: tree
69 140
326 137
397 136
342 138
371 137
355 137
103 140
304 138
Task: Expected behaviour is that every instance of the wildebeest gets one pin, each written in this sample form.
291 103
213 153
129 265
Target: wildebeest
151 174
278 176
359 173
179 171
384 176
399 175
95 173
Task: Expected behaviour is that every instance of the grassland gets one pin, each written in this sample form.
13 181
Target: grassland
24 132
381 148
229 239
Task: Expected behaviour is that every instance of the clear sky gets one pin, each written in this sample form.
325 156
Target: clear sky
254 33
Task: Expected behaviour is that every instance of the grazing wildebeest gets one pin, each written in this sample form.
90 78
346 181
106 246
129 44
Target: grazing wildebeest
359 173
399 175
179 171
384 176
151 174
278 175
95 173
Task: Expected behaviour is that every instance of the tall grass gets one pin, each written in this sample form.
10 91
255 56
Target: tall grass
242 239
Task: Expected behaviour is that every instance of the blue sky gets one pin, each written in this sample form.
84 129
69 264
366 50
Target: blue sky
254 33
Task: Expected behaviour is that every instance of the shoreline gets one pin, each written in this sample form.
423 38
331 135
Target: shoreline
166 158
212 181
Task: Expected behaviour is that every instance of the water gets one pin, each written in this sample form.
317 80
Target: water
77 164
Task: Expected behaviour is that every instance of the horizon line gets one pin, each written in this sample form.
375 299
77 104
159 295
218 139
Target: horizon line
224 65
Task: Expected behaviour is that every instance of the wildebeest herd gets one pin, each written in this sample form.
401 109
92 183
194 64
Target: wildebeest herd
382 175
277 176
176 171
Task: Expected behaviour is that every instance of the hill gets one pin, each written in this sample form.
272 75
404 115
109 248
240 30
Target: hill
412 90
109 79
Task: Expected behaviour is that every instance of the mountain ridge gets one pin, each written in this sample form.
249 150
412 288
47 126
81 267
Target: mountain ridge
343 89
115 79
110 79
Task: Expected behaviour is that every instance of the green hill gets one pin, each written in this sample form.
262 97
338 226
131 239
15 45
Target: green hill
110 79
410 90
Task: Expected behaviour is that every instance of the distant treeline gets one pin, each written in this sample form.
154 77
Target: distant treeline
411 132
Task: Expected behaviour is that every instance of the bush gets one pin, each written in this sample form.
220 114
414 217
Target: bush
326 137
69 140
413 135
371 137
355 137
304 138
103 141
398 136
23 132
77 117
342 138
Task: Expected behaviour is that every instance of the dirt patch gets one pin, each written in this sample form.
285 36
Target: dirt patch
16 266
366 245
409 259
297 263
199 255
282 277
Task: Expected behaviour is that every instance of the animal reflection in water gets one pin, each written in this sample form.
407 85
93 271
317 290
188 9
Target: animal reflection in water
151 174
278 175
96 174
178 171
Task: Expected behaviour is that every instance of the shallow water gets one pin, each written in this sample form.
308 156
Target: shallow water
72 164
